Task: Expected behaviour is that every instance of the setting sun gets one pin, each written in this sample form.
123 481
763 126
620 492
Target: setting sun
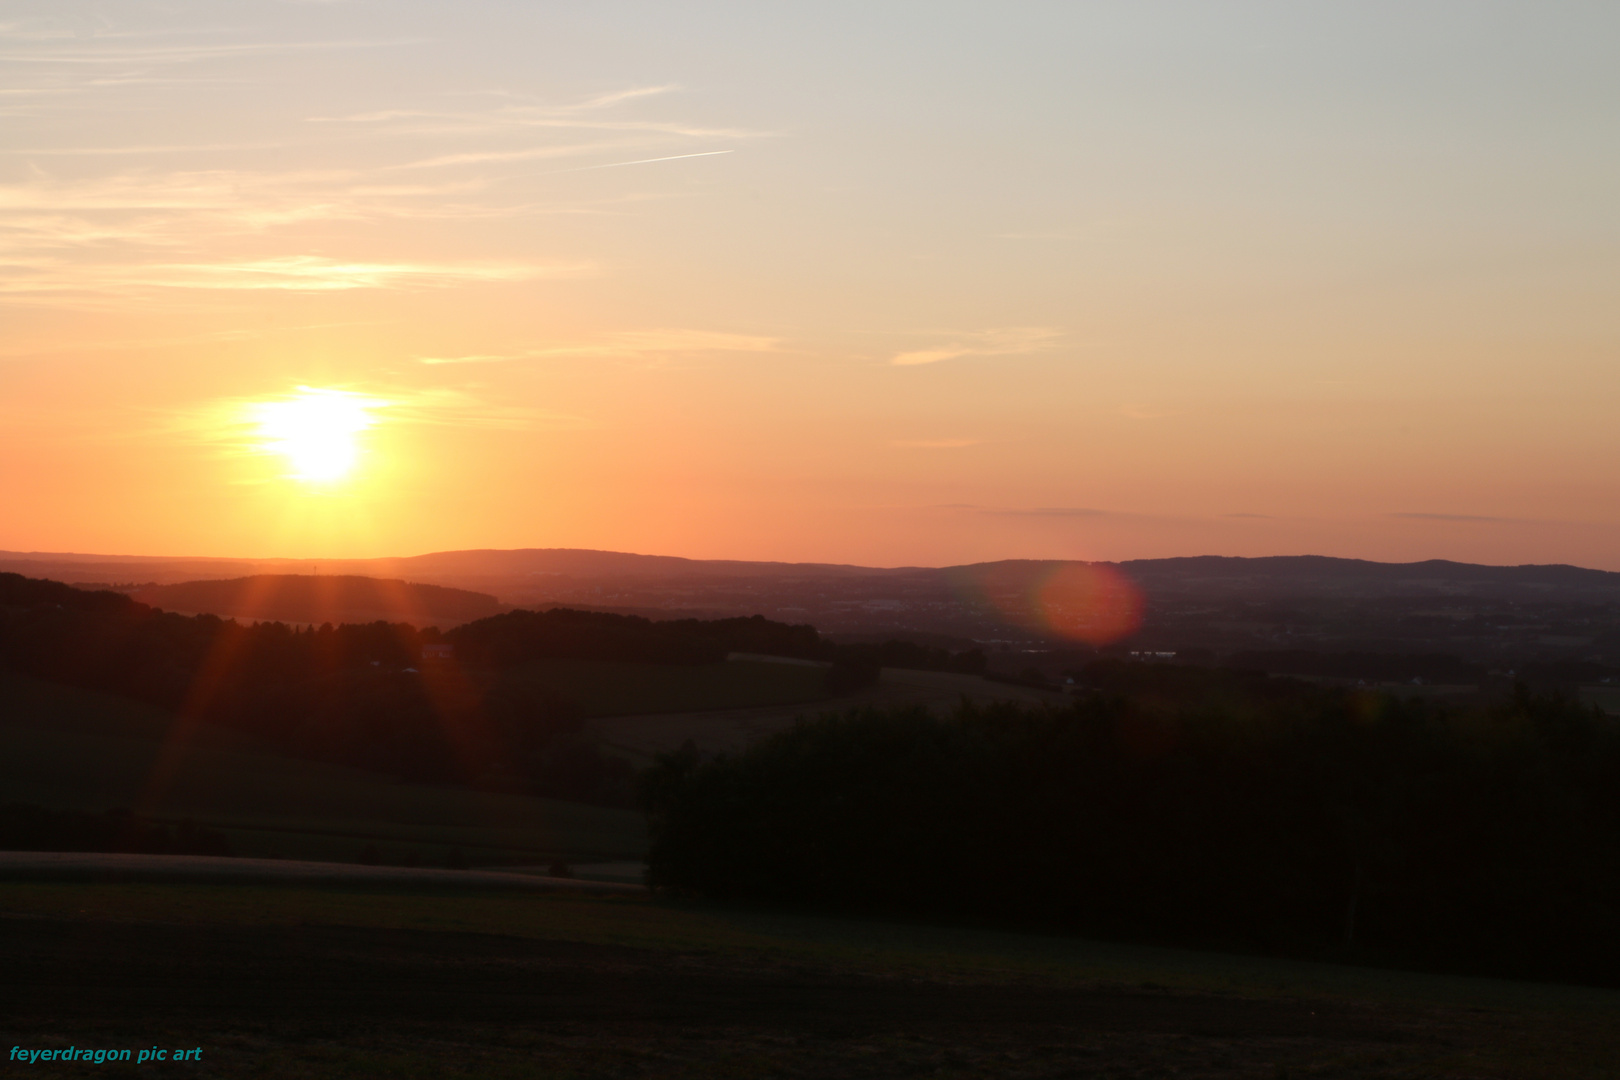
317 431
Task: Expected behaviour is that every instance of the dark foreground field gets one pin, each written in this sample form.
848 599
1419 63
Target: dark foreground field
295 982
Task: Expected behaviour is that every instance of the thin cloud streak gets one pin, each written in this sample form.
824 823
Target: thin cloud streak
1462 518
482 157
79 234
110 151
1007 341
648 161
298 273
143 344
584 105
1051 512
629 343
446 407
178 54
616 96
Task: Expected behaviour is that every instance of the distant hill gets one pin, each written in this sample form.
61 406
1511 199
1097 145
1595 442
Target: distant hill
579 561
1316 574
1495 615
310 598
525 569
442 567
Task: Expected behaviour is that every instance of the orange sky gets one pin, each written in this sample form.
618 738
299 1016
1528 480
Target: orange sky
918 285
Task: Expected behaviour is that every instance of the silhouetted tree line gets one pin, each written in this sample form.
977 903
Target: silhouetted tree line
1382 667
361 695
521 636
1188 804
906 654
1562 675
355 695
24 827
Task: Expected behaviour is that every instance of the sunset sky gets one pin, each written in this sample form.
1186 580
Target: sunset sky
887 283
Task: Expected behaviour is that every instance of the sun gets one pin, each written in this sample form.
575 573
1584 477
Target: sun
316 431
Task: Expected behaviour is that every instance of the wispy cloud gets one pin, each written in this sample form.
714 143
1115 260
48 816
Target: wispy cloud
477 358
108 51
614 97
310 272
156 148
650 161
96 344
447 407
508 116
1460 518
936 444
1050 512
626 344
187 230
1007 341
247 197
303 273
86 222
526 107
1146 412
537 153
487 157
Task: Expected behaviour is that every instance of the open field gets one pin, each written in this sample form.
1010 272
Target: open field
68 748
339 982
729 730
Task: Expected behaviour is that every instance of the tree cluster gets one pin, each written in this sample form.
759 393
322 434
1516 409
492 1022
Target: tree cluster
361 694
1382 667
356 695
519 637
1186 804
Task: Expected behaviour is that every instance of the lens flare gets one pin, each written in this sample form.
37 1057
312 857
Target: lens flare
1094 603
1090 602
317 431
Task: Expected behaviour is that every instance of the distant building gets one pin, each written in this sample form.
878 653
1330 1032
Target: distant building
438 652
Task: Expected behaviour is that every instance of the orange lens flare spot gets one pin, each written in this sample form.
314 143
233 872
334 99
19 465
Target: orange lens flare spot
1090 602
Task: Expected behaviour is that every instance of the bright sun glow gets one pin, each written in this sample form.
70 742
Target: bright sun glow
317 431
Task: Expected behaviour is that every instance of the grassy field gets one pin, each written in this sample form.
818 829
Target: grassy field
344 983
68 748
